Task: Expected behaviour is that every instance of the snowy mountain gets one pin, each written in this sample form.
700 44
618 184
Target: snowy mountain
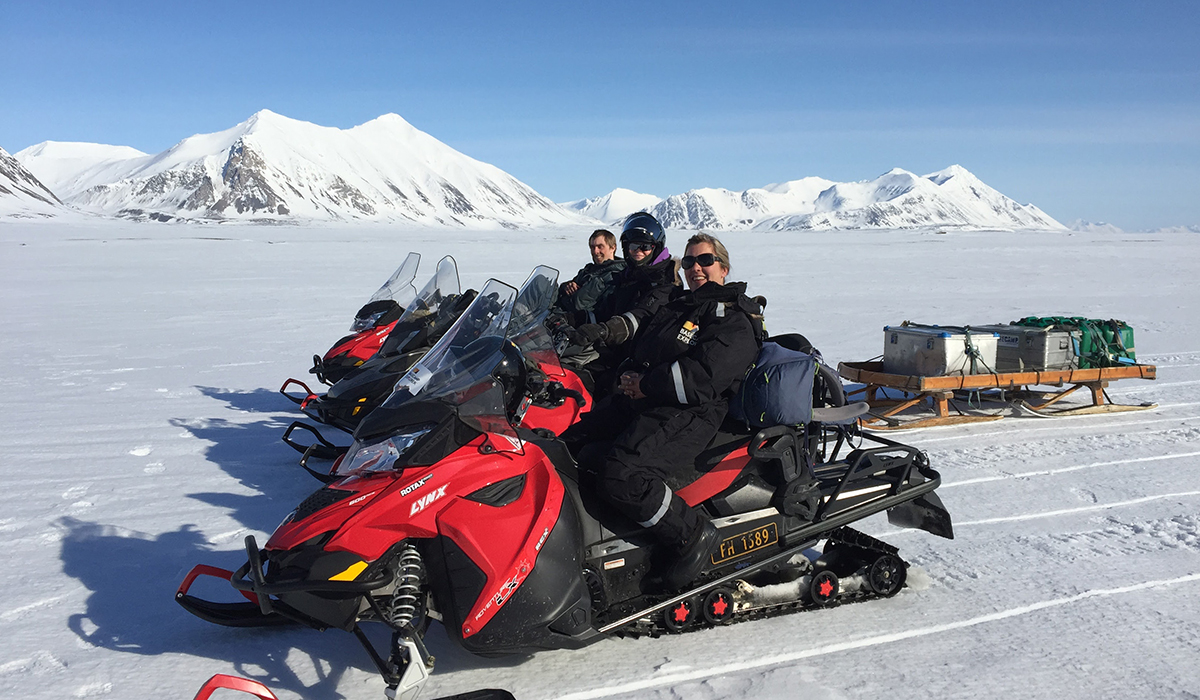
1194 228
1094 227
275 168
896 199
69 168
22 194
614 206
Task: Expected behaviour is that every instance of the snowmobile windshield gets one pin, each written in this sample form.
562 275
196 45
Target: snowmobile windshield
424 309
527 327
399 289
458 369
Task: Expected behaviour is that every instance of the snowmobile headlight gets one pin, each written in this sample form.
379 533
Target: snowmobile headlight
362 324
381 456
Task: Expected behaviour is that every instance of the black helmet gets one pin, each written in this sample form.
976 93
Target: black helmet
642 227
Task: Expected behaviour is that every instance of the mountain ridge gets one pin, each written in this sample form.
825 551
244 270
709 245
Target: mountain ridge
951 197
274 168
21 193
277 168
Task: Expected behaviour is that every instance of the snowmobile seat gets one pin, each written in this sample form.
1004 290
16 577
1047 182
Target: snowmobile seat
796 342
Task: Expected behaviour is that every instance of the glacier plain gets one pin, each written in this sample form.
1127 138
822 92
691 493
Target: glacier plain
142 423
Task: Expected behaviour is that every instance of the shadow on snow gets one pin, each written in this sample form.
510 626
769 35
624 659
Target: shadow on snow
133 576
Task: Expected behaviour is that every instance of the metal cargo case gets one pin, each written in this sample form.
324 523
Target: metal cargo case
1024 348
936 351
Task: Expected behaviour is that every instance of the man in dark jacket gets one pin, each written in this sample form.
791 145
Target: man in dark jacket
687 360
579 297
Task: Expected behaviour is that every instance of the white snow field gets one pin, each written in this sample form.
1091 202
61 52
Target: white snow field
141 437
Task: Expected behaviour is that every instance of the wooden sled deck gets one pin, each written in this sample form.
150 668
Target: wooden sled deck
1011 387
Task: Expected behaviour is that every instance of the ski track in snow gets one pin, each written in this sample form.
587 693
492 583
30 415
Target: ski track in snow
890 638
150 443
1064 470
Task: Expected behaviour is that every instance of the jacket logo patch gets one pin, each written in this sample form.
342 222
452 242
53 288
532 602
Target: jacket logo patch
687 334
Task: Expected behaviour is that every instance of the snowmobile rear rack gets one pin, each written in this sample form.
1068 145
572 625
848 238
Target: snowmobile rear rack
941 390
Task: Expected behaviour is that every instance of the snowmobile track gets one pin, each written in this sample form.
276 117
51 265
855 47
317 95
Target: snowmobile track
653 626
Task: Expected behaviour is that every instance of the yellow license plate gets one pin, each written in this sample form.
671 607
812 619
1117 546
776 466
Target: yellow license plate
750 541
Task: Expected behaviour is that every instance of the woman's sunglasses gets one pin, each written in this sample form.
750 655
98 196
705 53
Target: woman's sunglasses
705 259
644 247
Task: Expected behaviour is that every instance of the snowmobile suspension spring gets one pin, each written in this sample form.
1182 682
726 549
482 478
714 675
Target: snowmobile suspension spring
409 572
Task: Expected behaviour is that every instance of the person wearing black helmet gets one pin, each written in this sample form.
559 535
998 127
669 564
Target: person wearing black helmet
684 365
644 285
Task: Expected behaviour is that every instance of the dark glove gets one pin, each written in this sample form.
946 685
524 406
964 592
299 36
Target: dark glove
589 334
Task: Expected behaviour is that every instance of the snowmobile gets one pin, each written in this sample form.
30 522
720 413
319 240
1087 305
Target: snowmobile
371 326
363 387
347 402
446 508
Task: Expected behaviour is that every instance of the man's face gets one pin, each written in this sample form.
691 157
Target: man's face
601 250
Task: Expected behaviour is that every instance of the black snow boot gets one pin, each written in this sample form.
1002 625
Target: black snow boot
692 558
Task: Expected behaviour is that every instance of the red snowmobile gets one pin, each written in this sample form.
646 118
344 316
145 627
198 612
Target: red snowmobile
435 309
446 508
371 326
360 388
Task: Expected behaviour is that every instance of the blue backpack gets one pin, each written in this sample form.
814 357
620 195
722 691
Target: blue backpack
778 388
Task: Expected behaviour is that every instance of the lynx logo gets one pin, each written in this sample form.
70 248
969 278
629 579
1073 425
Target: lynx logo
687 334
542 541
415 485
424 501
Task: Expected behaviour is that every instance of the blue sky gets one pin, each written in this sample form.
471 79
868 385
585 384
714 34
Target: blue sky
1088 109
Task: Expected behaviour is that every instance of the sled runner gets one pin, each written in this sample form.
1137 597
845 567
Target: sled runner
1012 388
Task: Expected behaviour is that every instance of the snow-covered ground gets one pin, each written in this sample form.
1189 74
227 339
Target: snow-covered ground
142 428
